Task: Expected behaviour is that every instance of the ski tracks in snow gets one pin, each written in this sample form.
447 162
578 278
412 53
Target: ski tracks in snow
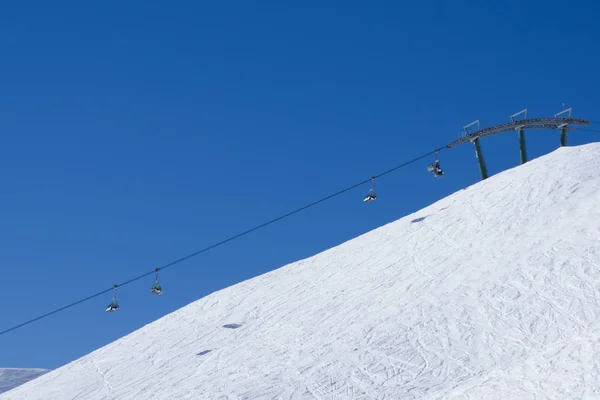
104 379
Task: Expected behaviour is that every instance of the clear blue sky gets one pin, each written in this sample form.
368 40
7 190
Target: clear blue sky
135 133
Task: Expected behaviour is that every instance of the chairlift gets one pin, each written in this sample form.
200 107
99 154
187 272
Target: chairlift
371 195
156 289
114 304
434 167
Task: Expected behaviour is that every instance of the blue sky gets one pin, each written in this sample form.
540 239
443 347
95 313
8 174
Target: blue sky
132 135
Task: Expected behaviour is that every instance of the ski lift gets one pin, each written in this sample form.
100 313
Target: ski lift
114 304
156 289
371 195
434 167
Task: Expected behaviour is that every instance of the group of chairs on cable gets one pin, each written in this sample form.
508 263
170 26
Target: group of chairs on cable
114 304
434 168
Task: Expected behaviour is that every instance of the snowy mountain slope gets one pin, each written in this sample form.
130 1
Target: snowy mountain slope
492 292
13 377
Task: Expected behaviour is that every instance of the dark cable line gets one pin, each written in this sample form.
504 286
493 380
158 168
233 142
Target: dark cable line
222 242
55 311
588 130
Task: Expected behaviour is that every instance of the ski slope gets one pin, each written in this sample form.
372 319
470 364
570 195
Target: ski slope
13 377
490 293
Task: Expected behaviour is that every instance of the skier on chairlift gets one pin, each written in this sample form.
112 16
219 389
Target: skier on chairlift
434 167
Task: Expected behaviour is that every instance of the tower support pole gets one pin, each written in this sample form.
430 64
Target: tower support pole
522 146
563 136
480 160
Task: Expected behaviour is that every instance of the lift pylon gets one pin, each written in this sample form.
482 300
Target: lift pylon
564 127
521 130
474 137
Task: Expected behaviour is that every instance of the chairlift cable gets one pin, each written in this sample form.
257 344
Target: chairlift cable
220 243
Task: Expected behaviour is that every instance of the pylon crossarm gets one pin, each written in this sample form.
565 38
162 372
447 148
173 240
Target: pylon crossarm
533 123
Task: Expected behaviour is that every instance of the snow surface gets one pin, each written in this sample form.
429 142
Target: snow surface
13 377
490 293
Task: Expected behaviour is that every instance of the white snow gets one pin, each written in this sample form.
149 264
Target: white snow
12 377
492 292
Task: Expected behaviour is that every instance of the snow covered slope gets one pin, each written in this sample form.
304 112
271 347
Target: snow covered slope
492 292
13 377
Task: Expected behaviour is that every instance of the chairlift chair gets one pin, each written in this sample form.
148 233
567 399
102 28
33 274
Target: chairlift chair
114 304
156 289
434 167
371 195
